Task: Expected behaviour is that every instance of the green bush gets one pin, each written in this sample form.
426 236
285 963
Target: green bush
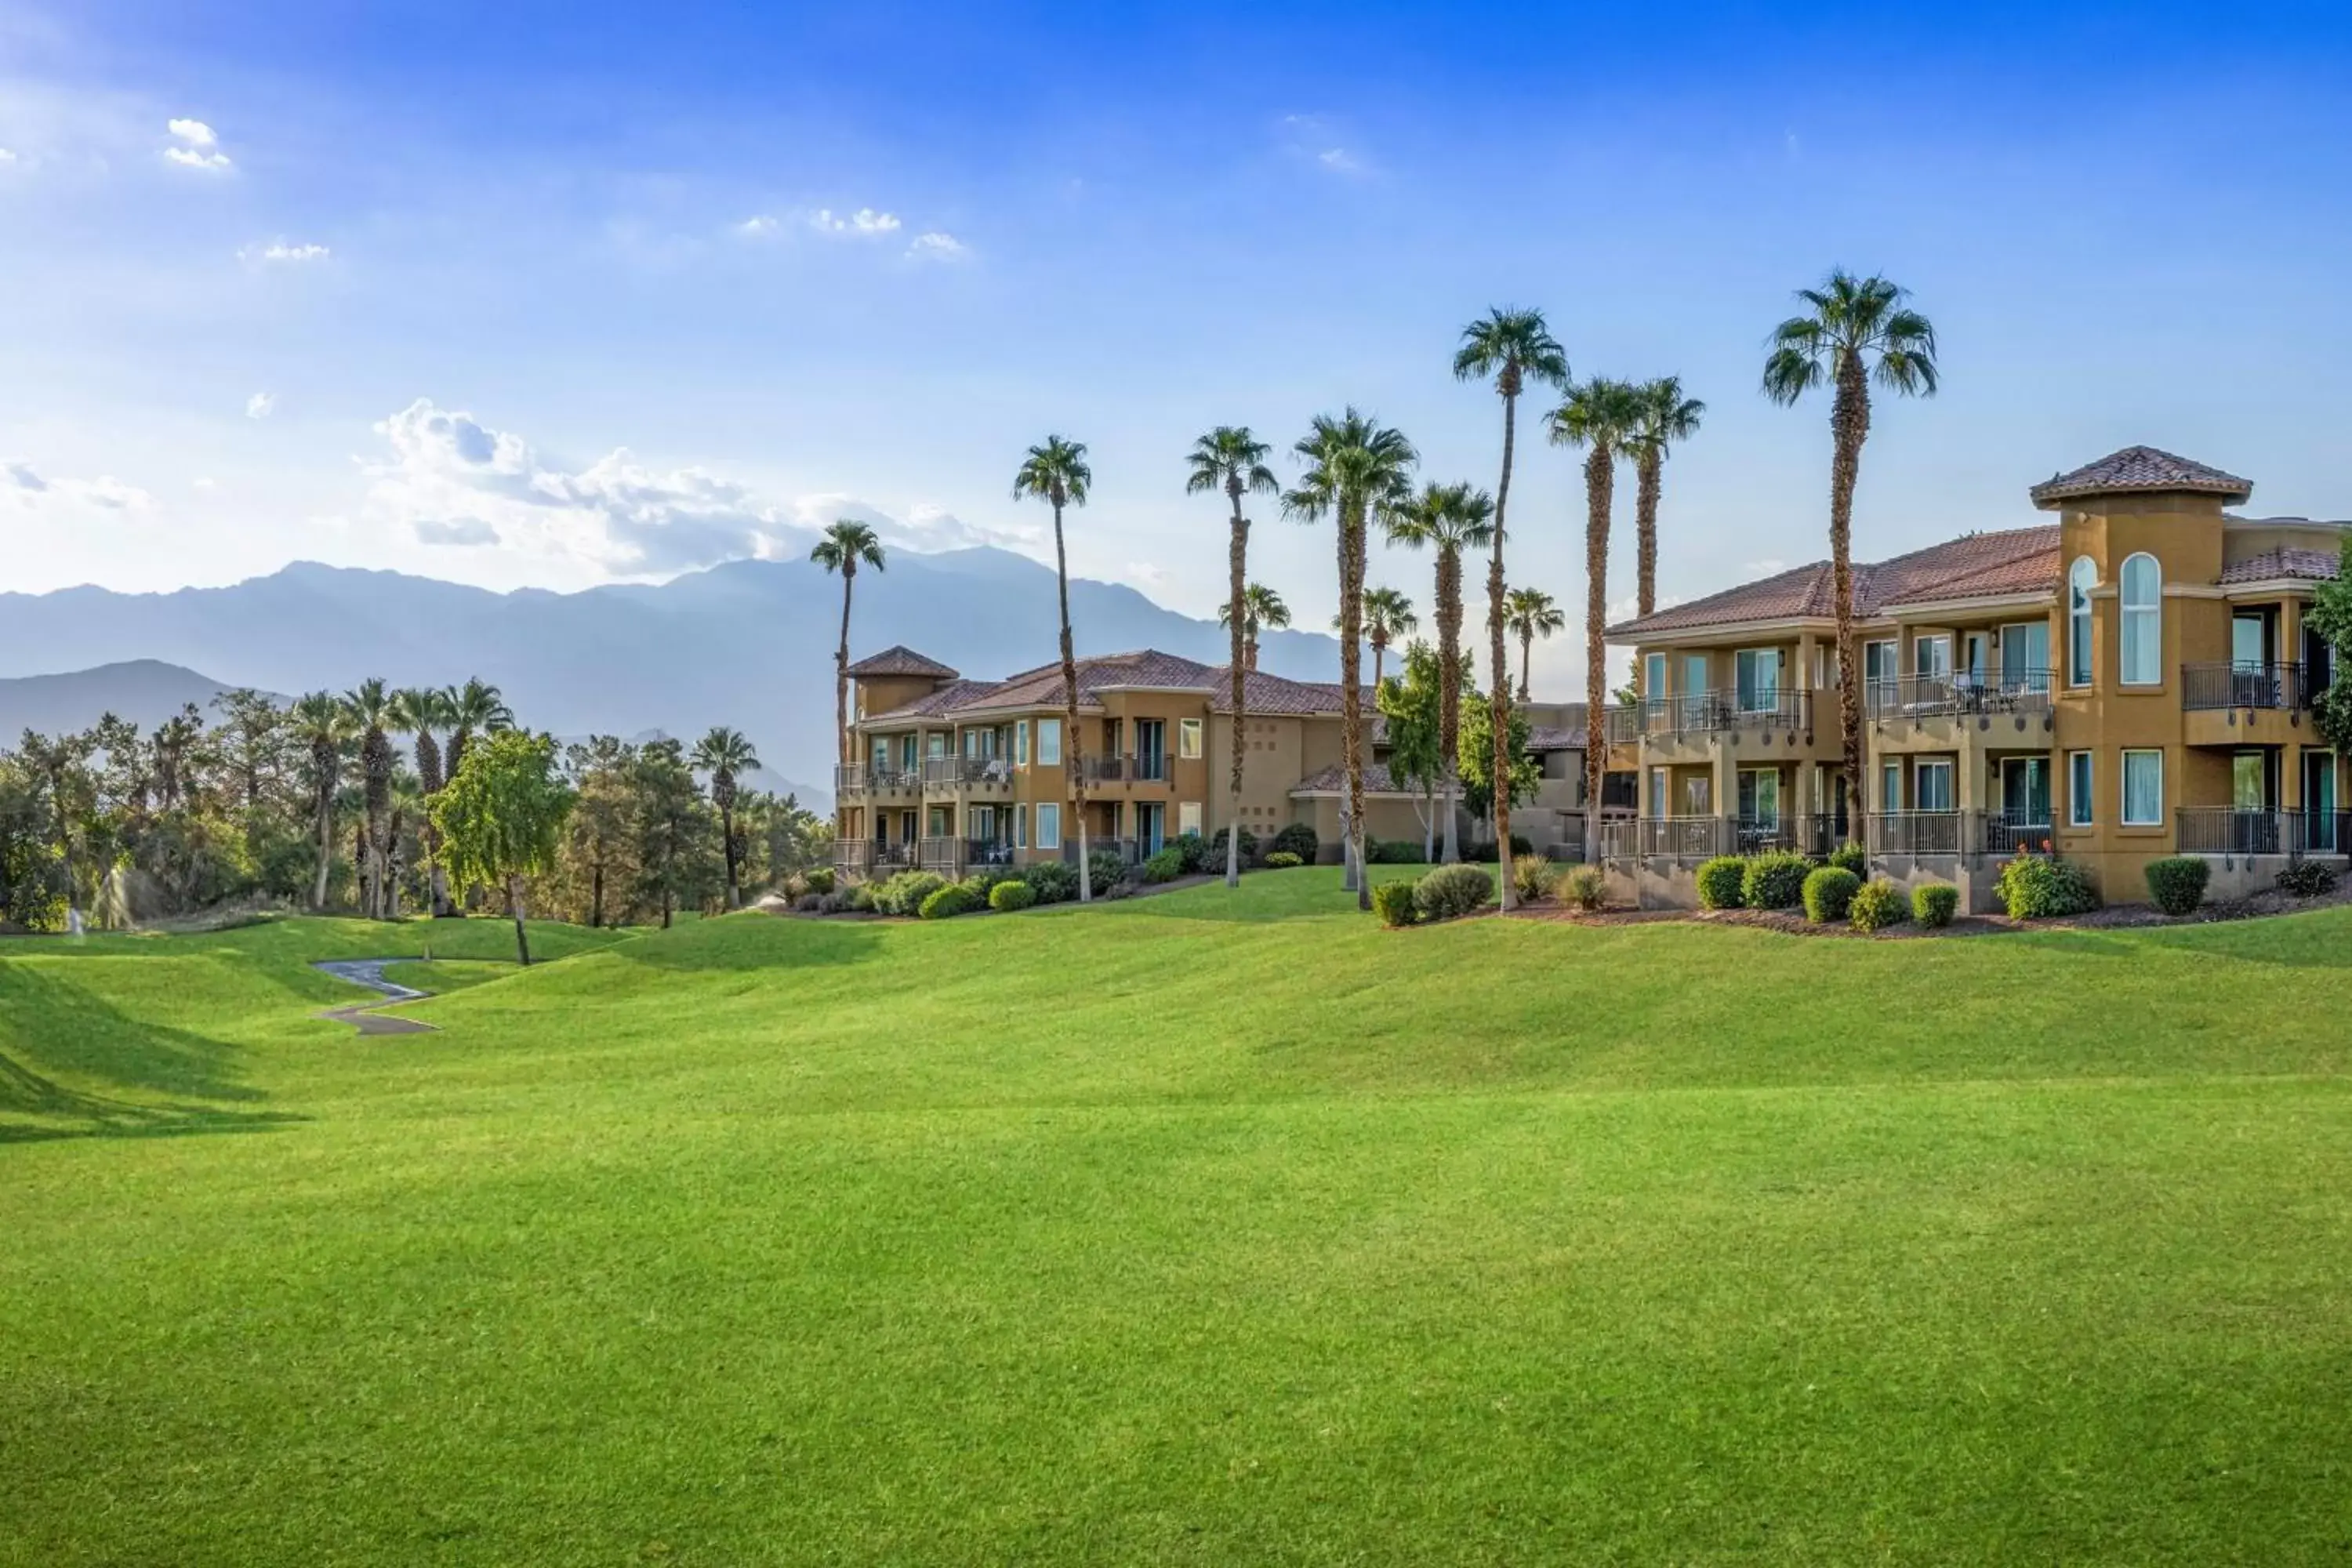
1393 903
860 899
1107 869
1584 888
1391 852
1249 847
946 903
1534 878
2176 884
2308 879
2036 888
1483 854
1452 891
1933 904
1829 894
1164 867
1297 839
1721 881
904 893
1010 896
982 881
1192 850
1877 904
1774 881
819 878
1282 860
1052 881
1851 856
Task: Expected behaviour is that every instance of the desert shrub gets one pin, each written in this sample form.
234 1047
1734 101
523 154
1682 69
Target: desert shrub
1282 860
1774 879
1395 903
1721 881
1105 869
2036 888
1012 895
946 903
1052 881
904 893
1829 894
1933 904
1851 856
1534 876
1877 904
1452 891
1249 847
1164 867
2176 884
982 881
819 878
793 887
1192 850
2308 879
1583 886
809 904
1391 851
1297 839
859 900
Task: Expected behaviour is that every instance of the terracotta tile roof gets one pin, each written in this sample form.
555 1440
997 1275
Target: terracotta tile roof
1275 697
2270 565
2141 468
899 659
1544 738
1148 668
1334 779
954 694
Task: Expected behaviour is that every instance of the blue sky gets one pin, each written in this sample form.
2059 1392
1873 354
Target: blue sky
548 294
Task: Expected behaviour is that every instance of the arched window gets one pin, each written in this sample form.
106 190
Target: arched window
2080 581
2143 628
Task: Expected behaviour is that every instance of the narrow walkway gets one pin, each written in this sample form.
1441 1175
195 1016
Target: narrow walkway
369 971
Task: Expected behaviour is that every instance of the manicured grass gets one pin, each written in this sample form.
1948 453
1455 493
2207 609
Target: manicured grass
1187 1229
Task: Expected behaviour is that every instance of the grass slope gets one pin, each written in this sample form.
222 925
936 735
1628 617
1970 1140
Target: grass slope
1190 1229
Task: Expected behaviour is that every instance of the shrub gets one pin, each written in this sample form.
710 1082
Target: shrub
1192 851
1452 891
1249 847
1013 895
1297 839
1774 881
809 904
904 893
1877 904
1105 869
1395 903
1282 860
1584 886
946 903
983 882
1721 881
1164 867
860 899
1534 876
2176 884
2034 888
1851 856
836 903
1933 904
1052 881
1391 851
819 878
2308 879
1829 894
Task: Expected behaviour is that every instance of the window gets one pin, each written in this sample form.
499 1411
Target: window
1653 674
1694 674
2080 581
2143 640
1021 826
2143 789
1932 657
1890 787
2081 792
1188 738
1049 825
1759 797
1933 786
906 754
2250 781
1021 744
1878 683
938 824
1049 744
1661 792
1188 813
1757 674
935 744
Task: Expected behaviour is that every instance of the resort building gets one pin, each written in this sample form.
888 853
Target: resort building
954 774
2131 680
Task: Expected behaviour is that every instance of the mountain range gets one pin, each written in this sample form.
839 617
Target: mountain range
748 644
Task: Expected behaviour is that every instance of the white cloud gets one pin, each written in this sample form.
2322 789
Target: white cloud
471 531
20 475
260 405
757 226
1313 139
7 156
194 132
1770 566
203 482
935 245
865 223
1338 160
29 488
283 252
198 147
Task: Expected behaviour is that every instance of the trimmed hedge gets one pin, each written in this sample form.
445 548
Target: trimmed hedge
1774 881
1534 878
819 878
1295 839
2034 889
1851 856
904 893
1007 897
1391 852
1829 894
1192 854
1105 869
1249 846
1395 903
1877 904
1052 881
1483 854
860 899
1452 891
1282 860
1721 883
2308 879
2176 884
1164 867
946 903
1933 904
1584 888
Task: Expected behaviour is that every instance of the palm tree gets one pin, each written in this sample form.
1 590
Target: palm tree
370 706
726 756
1596 416
1386 616
1668 417
1057 472
1532 614
1231 460
320 724
1261 607
844 546
474 708
1450 519
1510 345
419 710
1855 330
1356 467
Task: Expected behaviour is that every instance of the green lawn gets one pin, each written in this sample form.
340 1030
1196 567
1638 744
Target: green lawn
1186 1230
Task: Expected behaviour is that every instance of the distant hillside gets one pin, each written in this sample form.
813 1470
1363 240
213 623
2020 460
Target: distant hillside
146 692
748 644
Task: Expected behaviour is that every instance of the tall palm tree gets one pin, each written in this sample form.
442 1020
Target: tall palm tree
320 724
1511 345
474 708
1668 417
1386 616
1532 614
1854 331
1356 467
419 710
726 755
1056 472
1449 519
845 545
1596 416
370 706
1262 608
1231 460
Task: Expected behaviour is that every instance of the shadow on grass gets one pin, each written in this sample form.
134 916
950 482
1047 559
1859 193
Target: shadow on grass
755 942
74 1113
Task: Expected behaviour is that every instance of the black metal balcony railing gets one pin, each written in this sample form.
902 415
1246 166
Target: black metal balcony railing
1106 770
1821 832
954 773
1966 692
1148 767
849 779
889 776
891 857
2209 687
1913 833
852 854
2006 833
2232 830
1710 713
1130 851
987 852
939 854
1764 834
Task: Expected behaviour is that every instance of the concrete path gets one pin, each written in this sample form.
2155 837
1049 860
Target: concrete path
369 971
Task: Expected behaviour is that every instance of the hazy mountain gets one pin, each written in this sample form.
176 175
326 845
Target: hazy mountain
748 644
145 691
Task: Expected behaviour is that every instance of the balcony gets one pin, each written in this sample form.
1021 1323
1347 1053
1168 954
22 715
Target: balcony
2234 832
951 773
1148 767
883 778
1708 713
1130 851
2004 833
852 857
2213 688
1684 839
848 781
1915 832
1966 694
987 852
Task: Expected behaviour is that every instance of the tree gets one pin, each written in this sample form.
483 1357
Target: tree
474 708
2331 617
1668 417
1386 616
597 835
1056 472
671 831
1449 519
419 710
845 545
1261 607
1478 750
61 769
1531 615
1511 345
1356 467
1232 459
1414 707
725 755
323 725
1596 416
1854 331
501 816
370 710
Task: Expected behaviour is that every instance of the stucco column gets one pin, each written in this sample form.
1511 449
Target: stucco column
1727 780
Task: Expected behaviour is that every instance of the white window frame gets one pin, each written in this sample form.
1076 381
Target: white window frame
1890 799
2123 778
1188 740
1925 767
1919 645
1021 742
1662 792
2081 640
2151 613
1766 696
1188 812
1049 743
1653 674
2082 789
1021 824
1049 824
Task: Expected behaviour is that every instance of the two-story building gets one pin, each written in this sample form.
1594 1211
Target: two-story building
2131 681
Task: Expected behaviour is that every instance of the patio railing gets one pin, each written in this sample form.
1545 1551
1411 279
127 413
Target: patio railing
2209 687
